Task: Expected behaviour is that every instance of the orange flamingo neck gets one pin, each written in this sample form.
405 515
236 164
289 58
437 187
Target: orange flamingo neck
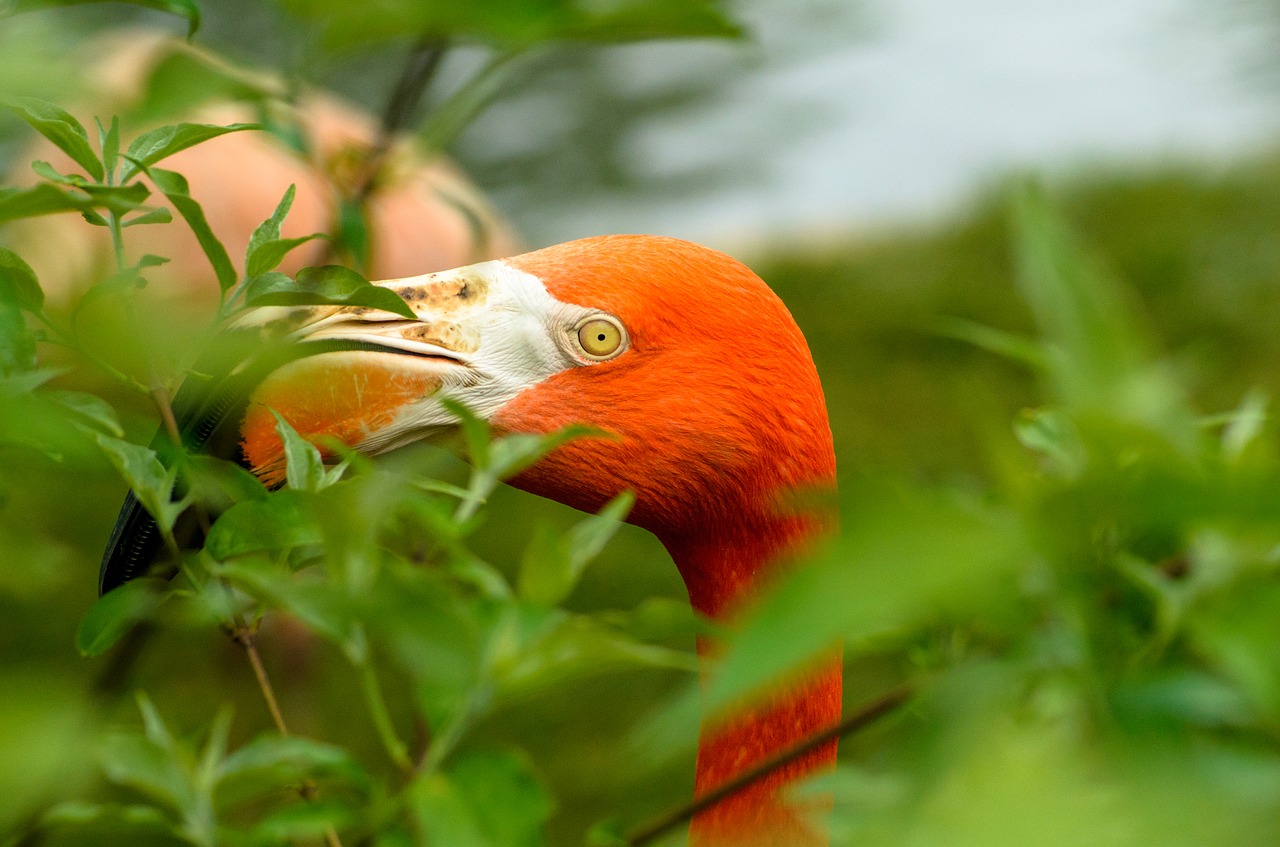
722 573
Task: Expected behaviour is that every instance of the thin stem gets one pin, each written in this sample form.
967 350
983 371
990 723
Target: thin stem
243 636
865 716
382 718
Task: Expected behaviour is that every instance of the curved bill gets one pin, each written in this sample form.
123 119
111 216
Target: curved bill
371 379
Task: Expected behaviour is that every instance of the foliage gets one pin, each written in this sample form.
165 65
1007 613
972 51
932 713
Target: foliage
1080 578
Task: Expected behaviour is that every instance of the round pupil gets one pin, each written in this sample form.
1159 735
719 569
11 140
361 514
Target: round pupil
600 338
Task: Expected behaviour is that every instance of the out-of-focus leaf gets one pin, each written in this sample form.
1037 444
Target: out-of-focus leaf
517 23
906 557
90 408
553 563
61 128
185 9
1051 433
483 799
116 612
1100 356
151 483
17 344
329 285
174 186
303 464
18 283
162 142
305 821
43 199
268 764
220 484
138 762
281 522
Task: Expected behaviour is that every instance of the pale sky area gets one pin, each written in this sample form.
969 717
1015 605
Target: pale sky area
932 100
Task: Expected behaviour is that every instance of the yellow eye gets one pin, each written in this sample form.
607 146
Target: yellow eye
600 338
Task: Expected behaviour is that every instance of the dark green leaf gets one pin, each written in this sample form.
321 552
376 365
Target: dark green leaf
162 142
281 522
18 283
61 128
174 186
116 612
330 285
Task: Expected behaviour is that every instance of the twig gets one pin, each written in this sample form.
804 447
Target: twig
865 716
243 635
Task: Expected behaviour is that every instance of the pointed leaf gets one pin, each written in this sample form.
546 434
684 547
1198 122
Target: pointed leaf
153 216
174 186
61 128
269 254
150 481
269 230
109 142
304 467
553 565
330 285
162 142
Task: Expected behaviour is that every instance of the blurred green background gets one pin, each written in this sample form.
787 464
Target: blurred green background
1174 192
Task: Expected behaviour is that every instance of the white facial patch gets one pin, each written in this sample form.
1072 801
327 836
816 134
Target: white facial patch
486 332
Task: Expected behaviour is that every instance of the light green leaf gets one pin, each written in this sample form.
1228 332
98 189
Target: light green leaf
162 142
152 216
18 283
484 799
109 143
304 467
61 128
174 186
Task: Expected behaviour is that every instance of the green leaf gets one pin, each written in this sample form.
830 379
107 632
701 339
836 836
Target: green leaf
484 799
269 254
281 522
151 483
277 761
162 142
269 230
220 484
138 762
44 199
109 143
185 9
116 612
61 128
17 343
330 285
174 186
153 216
304 467
553 564
18 283
90 408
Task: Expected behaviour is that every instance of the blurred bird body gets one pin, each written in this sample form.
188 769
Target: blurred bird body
711 406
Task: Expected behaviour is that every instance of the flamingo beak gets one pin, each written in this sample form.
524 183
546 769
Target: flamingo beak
375 380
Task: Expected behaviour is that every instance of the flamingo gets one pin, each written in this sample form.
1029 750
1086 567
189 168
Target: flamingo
682 354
